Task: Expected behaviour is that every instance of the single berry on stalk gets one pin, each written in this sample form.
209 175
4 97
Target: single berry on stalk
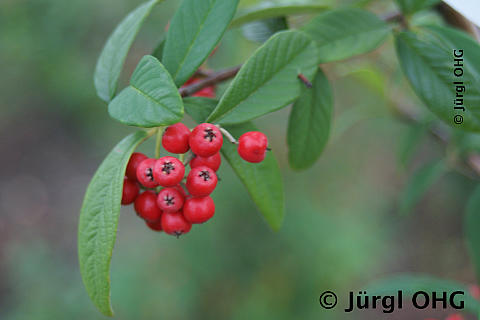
252 146
130 191
175 223
175 138
146 206
213 162
205 140
145 173
170 200
199 210
133 163
201 181
168 171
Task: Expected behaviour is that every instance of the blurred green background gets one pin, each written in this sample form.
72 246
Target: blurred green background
342 227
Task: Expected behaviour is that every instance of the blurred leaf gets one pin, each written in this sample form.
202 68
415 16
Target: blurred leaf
110 63
98 221
199 107
344 33
262 30
412 6
409 284
471 227
194 31
158 51
309 123
267 10
418 184
428 65
410 143
263 180
151 100
268 80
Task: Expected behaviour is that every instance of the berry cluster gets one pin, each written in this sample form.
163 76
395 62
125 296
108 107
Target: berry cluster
164 203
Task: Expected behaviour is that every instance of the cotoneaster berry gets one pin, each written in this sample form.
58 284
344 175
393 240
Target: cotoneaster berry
206 140
199 210
130 191
133 163
168 171
213 162
155 225
201 181
252 146
145 173
170 200
175 138
146 206
175 223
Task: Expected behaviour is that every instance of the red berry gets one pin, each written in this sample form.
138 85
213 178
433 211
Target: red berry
175 223
213 162
252 146
168 171
130 191
180 189
207 92
170 200
146 206
155 225
199 210
455 316
201 181
175 138
133 163
145 173
205 140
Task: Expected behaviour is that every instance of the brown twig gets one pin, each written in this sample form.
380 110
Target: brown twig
396 16
211 80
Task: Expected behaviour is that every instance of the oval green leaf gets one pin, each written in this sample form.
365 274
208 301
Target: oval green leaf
471 227
428 65
309 123
151 100
110 63
199 107
263 180
262 30
344 33
268 80
195 30
97 228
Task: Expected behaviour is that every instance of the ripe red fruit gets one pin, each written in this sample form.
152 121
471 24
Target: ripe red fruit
213 162
155 225
206 140
146 206
175 223
145 173
199 210
207 92
201 181
175 138
170 200
168 171
180 189
133 163
130 191
252 146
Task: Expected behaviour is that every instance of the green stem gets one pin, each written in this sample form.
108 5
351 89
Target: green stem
158 142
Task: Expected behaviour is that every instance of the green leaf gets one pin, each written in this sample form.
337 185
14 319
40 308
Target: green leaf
151 100
199 107
110 63
471 226
409 284
268 80
262 180
309 123
195 30
262 30
421 180
412 6
409 144
268 10
99 219
344 33
428 65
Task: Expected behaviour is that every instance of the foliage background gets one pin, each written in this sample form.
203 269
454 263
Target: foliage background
342 229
